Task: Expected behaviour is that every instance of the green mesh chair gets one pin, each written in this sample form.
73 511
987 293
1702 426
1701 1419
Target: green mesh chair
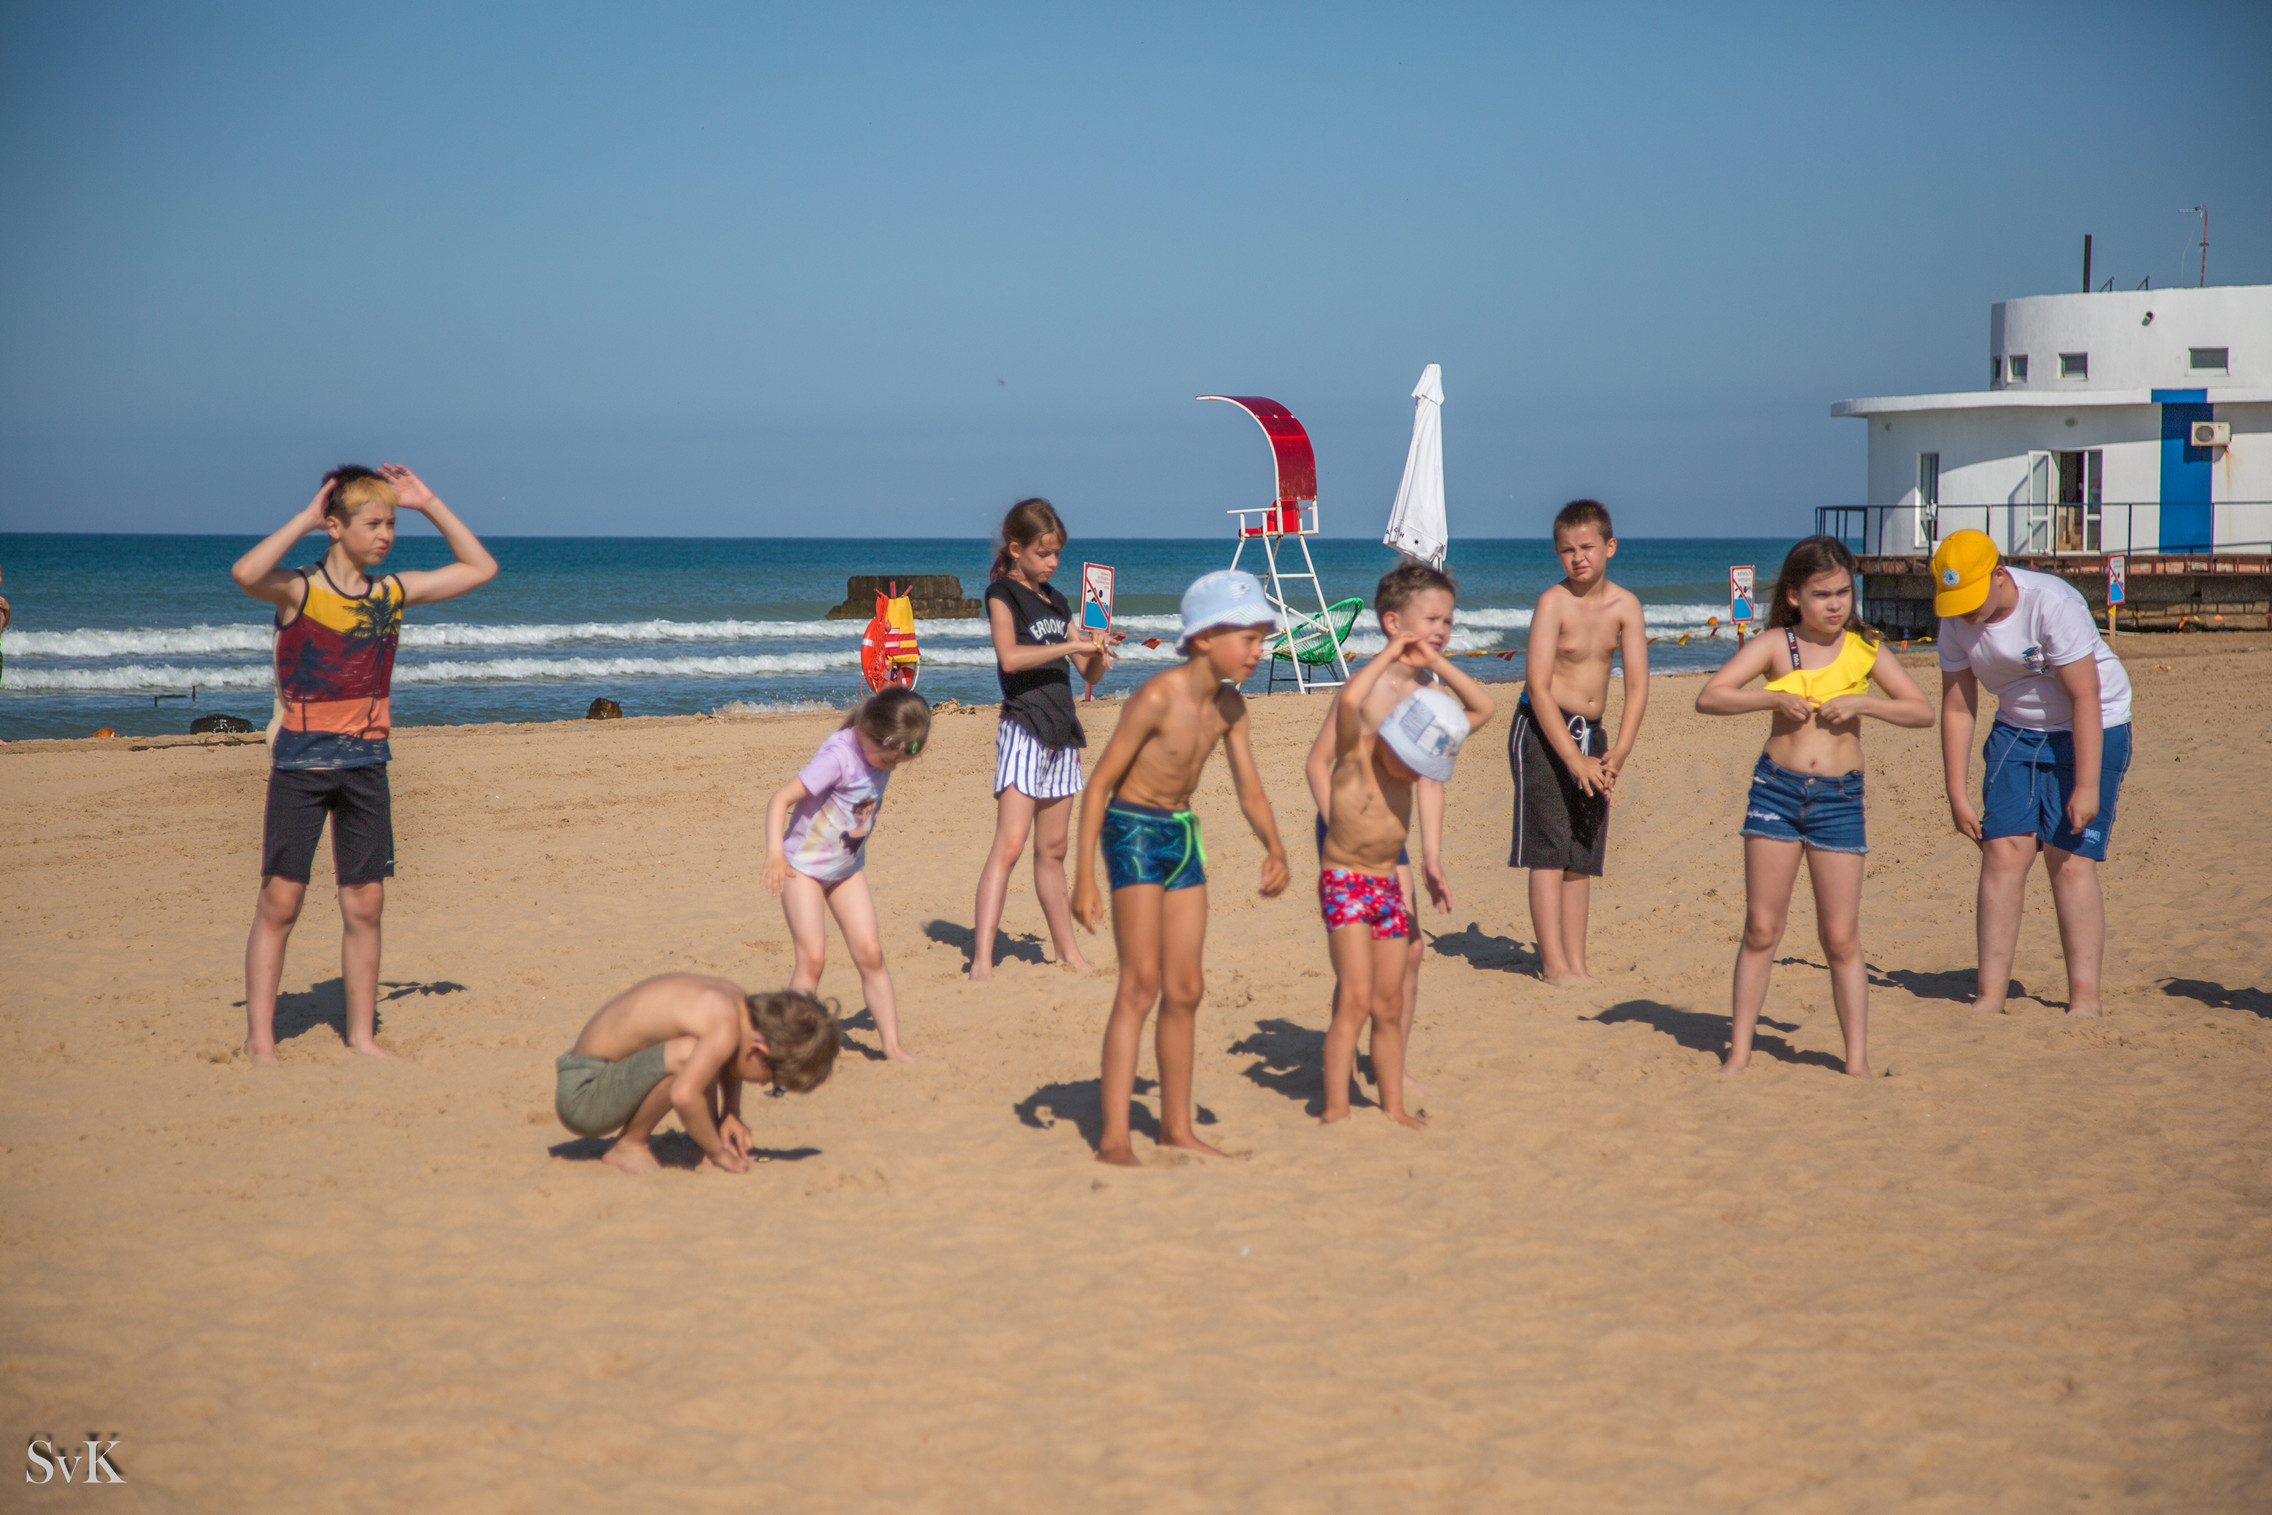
1311 641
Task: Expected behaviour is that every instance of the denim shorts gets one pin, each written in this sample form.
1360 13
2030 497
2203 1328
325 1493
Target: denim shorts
1822 810
2030 775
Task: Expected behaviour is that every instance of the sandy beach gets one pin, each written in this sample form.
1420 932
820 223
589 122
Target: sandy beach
2028 1267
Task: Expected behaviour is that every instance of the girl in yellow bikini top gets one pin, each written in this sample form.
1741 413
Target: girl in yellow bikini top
1847 673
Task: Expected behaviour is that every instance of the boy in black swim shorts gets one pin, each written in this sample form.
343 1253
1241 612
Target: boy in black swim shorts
1137 805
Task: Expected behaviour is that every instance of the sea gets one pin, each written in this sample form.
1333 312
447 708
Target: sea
145 633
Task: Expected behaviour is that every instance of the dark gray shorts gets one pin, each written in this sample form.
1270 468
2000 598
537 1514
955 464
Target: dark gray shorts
1557 824
598 1097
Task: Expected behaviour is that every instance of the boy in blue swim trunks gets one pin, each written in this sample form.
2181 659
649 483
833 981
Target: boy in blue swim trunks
1137 805
1376 767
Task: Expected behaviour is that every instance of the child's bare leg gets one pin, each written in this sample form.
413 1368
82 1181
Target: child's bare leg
1837 880
273 916
2082 925
855 909
1388 1028
1546 925
1577 902
804 905
1415 948
360 906
2004 862
1136 938
1013 819
1183 943
631 1153
1351 948
1052 819
1770 869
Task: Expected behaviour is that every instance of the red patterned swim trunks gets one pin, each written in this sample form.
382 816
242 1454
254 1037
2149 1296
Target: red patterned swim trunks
1349 898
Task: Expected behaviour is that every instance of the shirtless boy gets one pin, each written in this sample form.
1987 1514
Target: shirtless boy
688 1042
1136 802
1416 598
1565 766
1376 766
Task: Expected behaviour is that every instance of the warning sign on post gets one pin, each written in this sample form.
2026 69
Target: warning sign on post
2116 592
1096 597
1740 595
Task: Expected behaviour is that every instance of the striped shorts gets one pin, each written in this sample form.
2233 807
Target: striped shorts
1023 764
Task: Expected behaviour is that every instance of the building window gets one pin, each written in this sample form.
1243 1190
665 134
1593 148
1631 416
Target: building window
1928 479
2208 359
2018 365
1995 372
2074 365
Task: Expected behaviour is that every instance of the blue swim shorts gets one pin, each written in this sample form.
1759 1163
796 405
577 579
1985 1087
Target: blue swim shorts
1823 810
1144 844
2030 775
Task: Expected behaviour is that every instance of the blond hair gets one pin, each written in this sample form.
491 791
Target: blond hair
354 488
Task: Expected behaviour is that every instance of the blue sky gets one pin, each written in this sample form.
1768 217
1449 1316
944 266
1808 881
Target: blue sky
748 270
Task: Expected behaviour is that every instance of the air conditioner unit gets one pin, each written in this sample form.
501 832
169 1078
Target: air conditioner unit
2212 433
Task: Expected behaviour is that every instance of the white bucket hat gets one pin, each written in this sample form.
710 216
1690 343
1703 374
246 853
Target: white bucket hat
1226 597
1426 729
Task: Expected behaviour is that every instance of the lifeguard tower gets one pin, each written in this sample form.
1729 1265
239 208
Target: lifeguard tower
1309 640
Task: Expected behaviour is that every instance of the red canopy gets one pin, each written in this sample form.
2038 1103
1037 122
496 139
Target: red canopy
1289 444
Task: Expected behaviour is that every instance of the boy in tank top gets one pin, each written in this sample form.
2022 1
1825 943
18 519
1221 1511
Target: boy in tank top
336 629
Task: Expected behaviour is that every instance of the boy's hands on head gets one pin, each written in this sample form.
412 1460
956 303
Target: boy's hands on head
410 489
312 517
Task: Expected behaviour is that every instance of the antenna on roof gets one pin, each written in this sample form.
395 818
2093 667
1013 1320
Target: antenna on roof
2203 212
2086 262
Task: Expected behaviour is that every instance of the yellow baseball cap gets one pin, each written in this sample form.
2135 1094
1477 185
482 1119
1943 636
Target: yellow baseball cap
1963 565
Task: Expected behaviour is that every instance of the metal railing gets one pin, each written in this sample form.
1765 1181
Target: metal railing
2021 529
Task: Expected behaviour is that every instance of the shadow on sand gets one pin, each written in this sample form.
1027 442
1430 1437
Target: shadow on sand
1953 985
1289 1059
1502 954
1082 1102
1701 1032
673 1149
2218 997
325 1004
1025 947
864 1021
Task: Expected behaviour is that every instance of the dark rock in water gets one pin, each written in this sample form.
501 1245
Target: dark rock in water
936 597
210 723
604 710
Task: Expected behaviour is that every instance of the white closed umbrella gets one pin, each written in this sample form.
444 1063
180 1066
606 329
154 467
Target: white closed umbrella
1416 524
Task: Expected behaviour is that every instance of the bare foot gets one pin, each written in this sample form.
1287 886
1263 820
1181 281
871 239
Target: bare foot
1989 1004
1122 1156
1331 1115
1414 1086
1858 1070
1566 980
1190 1143
900 1055
2083 1009
1073 962
1734 1064
369 1049
631 1157
260 1057
981 972
1409 1122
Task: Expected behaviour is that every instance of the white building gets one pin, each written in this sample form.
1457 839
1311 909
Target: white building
2085 439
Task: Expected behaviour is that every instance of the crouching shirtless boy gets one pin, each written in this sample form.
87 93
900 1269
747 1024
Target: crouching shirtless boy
688 1042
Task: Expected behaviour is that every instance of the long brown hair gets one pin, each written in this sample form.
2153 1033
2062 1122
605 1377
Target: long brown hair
1027 523
1808 557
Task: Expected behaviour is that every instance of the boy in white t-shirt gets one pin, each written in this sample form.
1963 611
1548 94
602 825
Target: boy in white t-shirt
2055 756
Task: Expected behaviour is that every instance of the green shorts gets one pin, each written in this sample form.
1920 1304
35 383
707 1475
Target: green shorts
597 1097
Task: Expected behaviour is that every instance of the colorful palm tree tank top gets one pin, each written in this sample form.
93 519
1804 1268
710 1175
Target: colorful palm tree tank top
334 673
